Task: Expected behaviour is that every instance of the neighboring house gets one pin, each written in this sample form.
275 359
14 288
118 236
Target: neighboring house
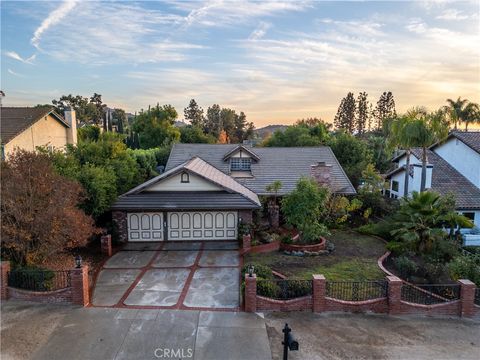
28 128
453 167
207 190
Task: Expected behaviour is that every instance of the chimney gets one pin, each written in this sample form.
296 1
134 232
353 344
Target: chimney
321 172
71 119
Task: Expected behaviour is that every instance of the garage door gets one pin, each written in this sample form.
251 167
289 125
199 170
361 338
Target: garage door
145 227
211 225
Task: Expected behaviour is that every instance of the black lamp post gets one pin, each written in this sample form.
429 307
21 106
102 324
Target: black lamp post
289 343
78 261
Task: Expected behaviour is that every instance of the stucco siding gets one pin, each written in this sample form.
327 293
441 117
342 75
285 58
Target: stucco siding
46 132
174 183
465 160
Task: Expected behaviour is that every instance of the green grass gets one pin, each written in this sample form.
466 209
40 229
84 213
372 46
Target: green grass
355 258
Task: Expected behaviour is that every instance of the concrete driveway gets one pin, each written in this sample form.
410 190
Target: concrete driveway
59 332
189 275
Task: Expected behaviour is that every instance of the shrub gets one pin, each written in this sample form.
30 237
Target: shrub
262 271
286 239
405 266
268 289
303 208
465 267
396 248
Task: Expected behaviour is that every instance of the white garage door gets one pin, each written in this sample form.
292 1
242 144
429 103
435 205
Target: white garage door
198 225
145 226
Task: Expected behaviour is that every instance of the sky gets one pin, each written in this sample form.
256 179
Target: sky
277 61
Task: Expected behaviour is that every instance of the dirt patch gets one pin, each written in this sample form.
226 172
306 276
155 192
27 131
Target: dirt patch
354 336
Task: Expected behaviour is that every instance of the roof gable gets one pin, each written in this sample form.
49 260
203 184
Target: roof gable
204 170
241 148
469 138
15 120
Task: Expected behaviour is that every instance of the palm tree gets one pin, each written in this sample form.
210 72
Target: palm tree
456 110
471 114
420 220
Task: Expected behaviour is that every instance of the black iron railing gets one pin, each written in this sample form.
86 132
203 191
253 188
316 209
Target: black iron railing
39 280
357 290
284 289
430 294
477 296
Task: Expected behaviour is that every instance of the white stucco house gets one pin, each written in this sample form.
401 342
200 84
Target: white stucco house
453 167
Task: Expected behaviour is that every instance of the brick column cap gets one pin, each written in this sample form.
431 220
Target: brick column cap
394 279
250 278
81 269
318 277
466 282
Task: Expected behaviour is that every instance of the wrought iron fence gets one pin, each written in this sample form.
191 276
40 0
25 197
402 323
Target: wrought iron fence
284 289
39 280
477 296
430 294
357 290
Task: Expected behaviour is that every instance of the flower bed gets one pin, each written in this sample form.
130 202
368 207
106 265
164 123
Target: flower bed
300 247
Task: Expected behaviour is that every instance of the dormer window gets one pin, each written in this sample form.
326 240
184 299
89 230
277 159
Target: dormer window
185 178
240 164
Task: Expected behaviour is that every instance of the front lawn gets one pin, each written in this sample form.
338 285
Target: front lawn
355 258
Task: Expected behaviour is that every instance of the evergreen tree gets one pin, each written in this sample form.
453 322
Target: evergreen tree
385 109
194 114
363 114
213 122
345 118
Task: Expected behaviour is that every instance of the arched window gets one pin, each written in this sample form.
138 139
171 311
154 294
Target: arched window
185 178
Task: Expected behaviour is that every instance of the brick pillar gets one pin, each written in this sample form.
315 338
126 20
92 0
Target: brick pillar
467 298
250 293
106 243
80 286
4 270
120 221
394 295
247 242
319 287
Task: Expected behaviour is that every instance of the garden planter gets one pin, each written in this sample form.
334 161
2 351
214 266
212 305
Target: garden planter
299 247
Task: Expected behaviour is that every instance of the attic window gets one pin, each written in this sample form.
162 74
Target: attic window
185 178
240 164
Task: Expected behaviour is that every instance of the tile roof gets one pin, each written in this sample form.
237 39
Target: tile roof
177 200
14 120
203 169
445 180
286 164
470 138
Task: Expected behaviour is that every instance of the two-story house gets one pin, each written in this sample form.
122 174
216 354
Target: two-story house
453 167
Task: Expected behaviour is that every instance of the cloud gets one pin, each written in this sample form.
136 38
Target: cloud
452 14
16 56
122 33
14 73
226 13
53 18
260 31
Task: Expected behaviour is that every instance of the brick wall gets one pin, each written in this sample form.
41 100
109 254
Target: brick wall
4 269
52 297
78 292
392 304
300 304
120 222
